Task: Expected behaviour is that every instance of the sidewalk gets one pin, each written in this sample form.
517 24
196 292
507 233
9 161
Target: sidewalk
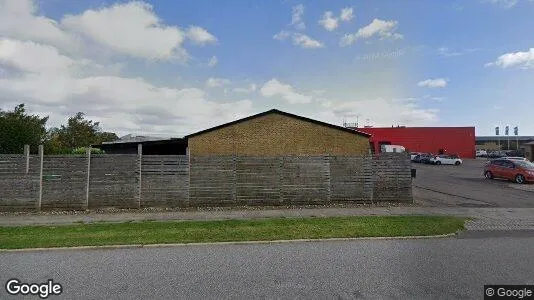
484 218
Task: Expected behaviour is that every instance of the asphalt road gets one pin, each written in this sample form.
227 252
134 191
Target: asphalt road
465 186
448 268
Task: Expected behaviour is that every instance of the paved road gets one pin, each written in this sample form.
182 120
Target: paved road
449 268
464 186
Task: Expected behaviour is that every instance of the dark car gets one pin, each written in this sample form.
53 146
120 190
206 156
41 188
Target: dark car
425 158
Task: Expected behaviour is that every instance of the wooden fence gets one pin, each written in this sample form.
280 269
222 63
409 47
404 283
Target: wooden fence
134 181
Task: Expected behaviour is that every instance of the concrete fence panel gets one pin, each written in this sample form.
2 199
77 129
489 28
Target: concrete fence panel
134 181
64 182
392 178
19 182
351 179
258 180
212 181
114 181
305 180
165 181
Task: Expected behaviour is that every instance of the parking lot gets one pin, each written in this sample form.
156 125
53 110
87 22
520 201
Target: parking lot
465 186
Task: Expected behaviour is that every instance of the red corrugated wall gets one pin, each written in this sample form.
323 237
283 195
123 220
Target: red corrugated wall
455 140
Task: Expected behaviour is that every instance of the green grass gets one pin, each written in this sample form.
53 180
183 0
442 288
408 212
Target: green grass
150 232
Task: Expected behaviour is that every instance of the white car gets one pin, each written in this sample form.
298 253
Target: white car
514 158
446 160
481 153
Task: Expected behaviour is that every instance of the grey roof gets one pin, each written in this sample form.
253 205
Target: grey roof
504 138
136 138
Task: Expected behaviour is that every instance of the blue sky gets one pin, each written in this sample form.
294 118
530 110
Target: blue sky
174 67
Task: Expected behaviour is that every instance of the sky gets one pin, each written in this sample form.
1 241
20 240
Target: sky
171 68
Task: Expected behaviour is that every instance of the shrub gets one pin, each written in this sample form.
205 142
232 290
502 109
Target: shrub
83 150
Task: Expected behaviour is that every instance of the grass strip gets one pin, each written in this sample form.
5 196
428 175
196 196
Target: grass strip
159 232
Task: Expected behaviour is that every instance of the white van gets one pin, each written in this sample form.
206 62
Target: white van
393 148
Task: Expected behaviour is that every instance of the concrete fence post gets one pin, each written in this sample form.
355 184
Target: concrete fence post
88 152
140 166
188 186
281 179
27 156
234 178
328 180
41 161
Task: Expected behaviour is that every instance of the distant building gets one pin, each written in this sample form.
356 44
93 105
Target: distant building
529 150
453 140
502 142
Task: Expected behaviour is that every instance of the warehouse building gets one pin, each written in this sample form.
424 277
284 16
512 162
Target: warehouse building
451 140
502 142
270 133
274 133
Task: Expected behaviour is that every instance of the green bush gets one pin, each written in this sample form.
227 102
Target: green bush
83 150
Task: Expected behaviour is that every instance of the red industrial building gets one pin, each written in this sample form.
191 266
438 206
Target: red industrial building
452 140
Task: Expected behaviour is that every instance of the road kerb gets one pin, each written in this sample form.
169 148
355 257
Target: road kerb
136 246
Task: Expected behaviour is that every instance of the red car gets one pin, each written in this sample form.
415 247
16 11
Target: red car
520 171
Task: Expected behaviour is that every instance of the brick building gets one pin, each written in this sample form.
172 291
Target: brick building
273 133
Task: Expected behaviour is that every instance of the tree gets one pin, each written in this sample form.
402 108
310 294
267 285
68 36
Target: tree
17 128
78 132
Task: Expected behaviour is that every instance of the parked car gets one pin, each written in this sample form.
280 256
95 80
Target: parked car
515 153
514 158
413 155
520 171
496 154
481 153
445 159
425 158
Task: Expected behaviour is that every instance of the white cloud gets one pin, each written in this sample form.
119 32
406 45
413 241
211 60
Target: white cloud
273 88
444 51
523 60
129 28
432 98
297 17
25 57
299 39
433 83
503 3
200 36
45 65
305 41
250 89
282 35
18 20
213 61
328 21
381 112
216 82
31 57
380 28
346 14
122 104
